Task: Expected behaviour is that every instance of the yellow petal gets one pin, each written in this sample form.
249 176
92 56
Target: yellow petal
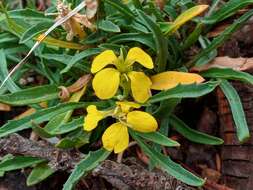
141 121
116 138
92 118
102 60
138 55
140 86
170 79
186 16
126 106
106 83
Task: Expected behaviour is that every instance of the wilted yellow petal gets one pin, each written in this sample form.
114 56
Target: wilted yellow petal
92 118
141 121
138 55
102 60
116 138
170 79
186 16
77 28
106 83
126 106
140 86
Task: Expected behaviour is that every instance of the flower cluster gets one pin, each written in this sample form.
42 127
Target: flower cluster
116 136
113 73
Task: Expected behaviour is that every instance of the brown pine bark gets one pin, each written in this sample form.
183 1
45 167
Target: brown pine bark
237 158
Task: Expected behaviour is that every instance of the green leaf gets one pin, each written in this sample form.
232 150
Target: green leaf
108 26
166 164
158 138
205 42
122 8
39 117
90 162
185 91
30 14
2 173
145 39
7 37
160 40
166 108
10 84
228 9
79 56
193 36
75 139
4 158
31 95
67 127
41 132
193 135
35 30
228 74
19 162
237 110
38 174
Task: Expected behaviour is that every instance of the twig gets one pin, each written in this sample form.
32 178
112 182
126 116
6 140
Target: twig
58 159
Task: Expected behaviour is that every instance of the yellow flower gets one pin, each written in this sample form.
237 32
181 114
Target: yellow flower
107 80
116 136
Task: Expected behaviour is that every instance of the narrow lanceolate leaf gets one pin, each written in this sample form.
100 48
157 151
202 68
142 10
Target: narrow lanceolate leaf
28 14
31 95
193 135
185 17
19 162
185 91
160 40
142 38
166 164
38 117
122 8
79 56
10 84
34 31
68 127
228 9
39 173
228 74
90 162
158 138
170 79
108 26
237 110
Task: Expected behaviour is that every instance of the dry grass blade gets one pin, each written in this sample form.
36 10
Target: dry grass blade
43 36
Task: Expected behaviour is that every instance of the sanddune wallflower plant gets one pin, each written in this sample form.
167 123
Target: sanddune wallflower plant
107 80
116 136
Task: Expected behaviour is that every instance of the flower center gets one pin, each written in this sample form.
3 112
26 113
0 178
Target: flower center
122 65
